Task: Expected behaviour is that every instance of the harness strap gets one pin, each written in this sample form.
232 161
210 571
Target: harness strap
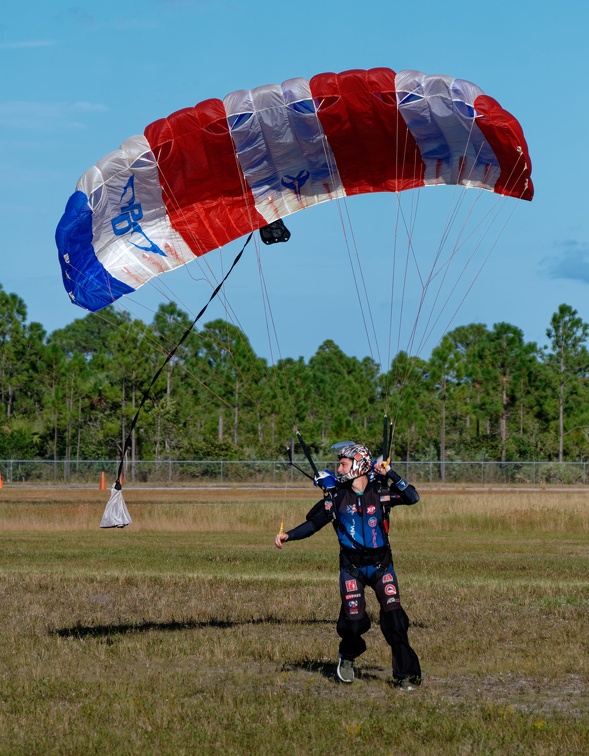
382 568
355 572
379 562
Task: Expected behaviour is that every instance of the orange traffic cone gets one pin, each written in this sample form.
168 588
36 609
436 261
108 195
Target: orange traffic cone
102 481
0 480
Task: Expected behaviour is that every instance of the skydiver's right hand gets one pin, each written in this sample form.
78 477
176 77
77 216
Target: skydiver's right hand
280 539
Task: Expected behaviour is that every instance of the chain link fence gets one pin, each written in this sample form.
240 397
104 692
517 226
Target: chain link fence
278 472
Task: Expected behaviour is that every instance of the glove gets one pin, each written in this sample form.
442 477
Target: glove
325 479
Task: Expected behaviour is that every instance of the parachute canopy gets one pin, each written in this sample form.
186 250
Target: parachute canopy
211 173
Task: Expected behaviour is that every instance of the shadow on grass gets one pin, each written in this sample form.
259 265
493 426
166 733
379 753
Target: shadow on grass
324 668
328 669
102 631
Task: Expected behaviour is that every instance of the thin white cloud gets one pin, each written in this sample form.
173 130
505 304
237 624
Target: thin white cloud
570 263
93 21
27 44
199 6
188 4
43 116
89 107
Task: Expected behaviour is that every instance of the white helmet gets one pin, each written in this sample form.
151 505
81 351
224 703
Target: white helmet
361 462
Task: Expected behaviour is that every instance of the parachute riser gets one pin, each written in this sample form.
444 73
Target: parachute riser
387 439
296 467
319 478
307 453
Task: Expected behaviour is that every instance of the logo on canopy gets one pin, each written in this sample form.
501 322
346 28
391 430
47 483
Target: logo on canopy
296 183
128 219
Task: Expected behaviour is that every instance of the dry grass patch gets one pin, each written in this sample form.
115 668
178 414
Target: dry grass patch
189 633
543 510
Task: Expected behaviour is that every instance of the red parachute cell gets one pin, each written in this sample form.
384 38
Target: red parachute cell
209 174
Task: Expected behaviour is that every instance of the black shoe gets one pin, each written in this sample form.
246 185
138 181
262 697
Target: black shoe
407 683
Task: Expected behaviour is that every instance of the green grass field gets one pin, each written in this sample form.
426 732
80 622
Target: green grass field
189 633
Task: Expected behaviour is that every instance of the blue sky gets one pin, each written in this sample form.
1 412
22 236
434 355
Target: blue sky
79 78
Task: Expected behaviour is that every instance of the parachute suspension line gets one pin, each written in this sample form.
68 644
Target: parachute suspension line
483 263
363 281
334 176
267 307
409 225
280 378
425 284
161 348
400 157
259 371
450 221
409 230
387 368
500 201
425 290
406 380
259 368
211 277
395 252
128 440
454 211
232 317
211 338
186 370
268 315
483 226
230 314
416 377
157 345
458 204
400 384
357 288
434 272
445 267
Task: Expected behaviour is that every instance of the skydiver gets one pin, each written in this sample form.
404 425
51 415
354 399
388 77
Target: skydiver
359 510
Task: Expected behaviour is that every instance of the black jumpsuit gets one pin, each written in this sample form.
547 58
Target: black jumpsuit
361 524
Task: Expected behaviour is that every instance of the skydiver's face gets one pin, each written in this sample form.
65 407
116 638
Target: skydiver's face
344 466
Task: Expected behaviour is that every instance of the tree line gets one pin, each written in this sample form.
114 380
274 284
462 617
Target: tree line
484 393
